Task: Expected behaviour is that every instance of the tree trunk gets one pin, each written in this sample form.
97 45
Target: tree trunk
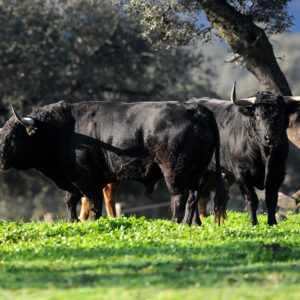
248 40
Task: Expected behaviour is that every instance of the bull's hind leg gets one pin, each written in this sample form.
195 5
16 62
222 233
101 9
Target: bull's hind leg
202 204
207 185
192 211
85 210
179 203
198 197
90 189
109 192
71 201
177 187
95 200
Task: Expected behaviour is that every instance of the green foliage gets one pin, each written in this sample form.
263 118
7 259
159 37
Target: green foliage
150 259
271 15
53 50
180 21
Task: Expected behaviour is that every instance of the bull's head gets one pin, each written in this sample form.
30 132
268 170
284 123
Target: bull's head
268 115
252 100
16 141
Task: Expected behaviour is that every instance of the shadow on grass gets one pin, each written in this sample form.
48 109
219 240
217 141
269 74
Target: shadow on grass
139 266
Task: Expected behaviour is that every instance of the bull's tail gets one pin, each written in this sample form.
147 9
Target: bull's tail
220 198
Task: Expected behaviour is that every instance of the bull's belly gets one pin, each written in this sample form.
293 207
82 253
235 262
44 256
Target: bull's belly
140 170
258 179
60 179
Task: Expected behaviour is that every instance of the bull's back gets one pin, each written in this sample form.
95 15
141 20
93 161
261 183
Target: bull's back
128 134
121 124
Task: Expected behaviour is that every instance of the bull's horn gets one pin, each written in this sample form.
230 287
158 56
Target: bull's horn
241 102
24 121
288 99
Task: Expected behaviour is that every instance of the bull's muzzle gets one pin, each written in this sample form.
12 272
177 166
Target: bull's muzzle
3 166
269 141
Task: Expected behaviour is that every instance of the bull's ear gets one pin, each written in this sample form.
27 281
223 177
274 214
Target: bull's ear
31 130
247 111
293 107
293 114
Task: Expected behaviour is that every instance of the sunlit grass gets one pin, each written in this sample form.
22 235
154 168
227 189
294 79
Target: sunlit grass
131 258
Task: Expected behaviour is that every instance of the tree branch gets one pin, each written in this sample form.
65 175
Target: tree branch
232 59
248 40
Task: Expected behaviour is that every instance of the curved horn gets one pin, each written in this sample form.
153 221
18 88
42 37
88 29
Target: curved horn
240 102
288 99
24 121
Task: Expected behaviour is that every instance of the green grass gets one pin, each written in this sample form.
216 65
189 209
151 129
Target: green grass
150 259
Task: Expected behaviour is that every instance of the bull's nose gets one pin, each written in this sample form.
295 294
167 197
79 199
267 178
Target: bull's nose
2 167
269 140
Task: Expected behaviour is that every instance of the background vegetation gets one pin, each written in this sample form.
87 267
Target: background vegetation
72 50
150 259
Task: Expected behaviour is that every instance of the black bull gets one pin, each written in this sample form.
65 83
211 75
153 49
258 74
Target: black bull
83 146
253 148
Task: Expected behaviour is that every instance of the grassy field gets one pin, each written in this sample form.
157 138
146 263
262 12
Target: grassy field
150 259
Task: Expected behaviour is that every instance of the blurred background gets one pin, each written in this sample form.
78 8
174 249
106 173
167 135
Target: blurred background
75 51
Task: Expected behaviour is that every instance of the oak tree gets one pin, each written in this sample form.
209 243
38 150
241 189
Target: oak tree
245 26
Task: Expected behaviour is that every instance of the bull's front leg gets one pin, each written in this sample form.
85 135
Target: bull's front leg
71 201
90 183
272 187
271 203
251 198
179 203
192 208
